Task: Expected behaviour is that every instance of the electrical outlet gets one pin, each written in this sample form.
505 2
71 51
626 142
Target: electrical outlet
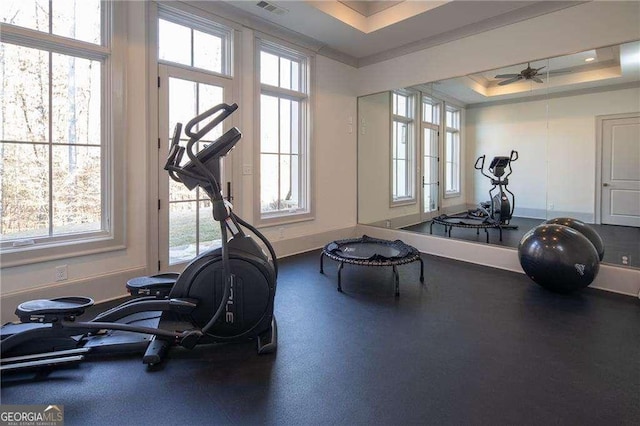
247 170
61 272
625 258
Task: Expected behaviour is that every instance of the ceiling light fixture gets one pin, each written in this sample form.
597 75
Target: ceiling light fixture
590 59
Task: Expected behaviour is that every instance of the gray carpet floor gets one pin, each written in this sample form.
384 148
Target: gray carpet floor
473 345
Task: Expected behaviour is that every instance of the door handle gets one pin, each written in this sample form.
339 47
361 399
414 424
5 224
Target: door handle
605 184
229 196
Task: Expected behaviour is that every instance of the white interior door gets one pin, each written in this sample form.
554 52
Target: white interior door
186 225
621 171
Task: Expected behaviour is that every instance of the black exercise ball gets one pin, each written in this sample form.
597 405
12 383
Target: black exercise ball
558 258
584 229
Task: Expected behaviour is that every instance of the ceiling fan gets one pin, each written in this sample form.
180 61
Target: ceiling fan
526 74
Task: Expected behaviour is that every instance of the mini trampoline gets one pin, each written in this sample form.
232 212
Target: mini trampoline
367 251
465 221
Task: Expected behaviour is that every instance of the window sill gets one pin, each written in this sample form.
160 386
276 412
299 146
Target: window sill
402 202
62 250
283 219
452 194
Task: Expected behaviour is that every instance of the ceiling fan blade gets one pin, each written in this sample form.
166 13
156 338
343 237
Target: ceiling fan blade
537 80
509 81
538 69
506 75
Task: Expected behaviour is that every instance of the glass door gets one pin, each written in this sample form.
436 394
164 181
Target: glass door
430 204
185 220
430 157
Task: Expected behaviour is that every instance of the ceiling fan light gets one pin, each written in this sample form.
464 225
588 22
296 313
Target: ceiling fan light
590 59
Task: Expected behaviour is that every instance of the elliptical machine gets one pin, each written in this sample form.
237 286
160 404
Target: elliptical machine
223 295
501 204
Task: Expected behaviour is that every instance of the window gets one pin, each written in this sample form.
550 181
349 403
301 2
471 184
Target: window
452 151
57 185
402 149
194 42
284 138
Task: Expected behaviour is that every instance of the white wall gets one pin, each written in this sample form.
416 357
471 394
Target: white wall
556 140
373 158
572 148
495 131
578 28
374 163
333 153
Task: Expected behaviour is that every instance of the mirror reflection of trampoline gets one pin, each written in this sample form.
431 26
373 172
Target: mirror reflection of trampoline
367 251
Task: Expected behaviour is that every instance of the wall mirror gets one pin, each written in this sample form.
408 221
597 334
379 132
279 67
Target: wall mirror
574 122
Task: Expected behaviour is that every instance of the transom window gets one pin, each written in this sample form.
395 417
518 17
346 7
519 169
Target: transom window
284 139
194 43
55 134
430 110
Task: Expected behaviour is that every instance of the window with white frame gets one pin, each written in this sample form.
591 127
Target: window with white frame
194 42
56 152
284 136
452 150
403 148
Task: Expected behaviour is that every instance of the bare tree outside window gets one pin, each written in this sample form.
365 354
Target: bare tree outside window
51 143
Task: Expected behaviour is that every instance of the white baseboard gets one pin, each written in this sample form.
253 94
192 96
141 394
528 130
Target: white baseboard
610 278
297 245
100 288
398 222
112 286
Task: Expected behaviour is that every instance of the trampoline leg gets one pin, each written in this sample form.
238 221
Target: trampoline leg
500 229
450 228
486 232
321 263
340 276
431 228
477 231
421 270
396 278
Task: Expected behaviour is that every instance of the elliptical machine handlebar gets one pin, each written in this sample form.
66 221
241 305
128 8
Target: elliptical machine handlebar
226 109
176 151
506 164
480 167
512 157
